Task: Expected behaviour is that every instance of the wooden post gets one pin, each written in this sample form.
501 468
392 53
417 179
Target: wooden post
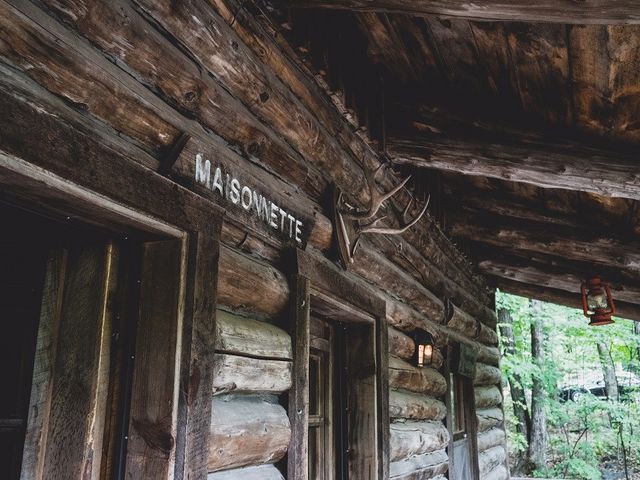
382 390
199 339
298 457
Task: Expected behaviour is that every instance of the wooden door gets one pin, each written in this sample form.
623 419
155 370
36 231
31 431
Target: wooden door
322 441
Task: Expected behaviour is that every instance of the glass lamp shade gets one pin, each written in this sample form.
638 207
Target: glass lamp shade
597 302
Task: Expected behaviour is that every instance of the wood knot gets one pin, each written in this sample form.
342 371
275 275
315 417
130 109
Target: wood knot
264 96
154 435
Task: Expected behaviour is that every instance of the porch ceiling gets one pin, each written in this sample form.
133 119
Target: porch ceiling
530 114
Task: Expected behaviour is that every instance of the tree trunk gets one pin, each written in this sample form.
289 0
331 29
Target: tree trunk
636 331
520 409
608 371
538 434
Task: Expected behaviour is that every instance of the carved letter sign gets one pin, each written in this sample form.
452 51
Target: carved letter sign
243 189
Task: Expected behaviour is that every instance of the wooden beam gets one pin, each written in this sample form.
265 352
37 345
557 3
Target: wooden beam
625 310
544 164
554 277
548 11
556 241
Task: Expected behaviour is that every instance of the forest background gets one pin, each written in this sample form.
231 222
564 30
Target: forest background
548 349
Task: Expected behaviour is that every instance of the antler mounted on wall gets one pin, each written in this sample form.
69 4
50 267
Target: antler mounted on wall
351 223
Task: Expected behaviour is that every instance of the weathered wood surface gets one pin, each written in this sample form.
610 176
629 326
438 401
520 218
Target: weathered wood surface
491 438
558 276
488 396
421 466
487 375
489 355
464 323
561 297
240 275
427 381
416 438
413 406
247 431
156 112
153 421
561 11
559 241
401 345
73 421
489 418
198 352
245 336
298 408
498 473
262 472
611 174
46 347
250 286
490 459
418 265
277 53
233 373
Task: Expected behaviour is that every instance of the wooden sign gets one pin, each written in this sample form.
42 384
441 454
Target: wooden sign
467 361
252 196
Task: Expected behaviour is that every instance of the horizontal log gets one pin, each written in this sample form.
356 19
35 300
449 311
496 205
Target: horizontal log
233 373
464 323
405 376
498 473
247 431
421 466
491 438
416 438
557 241
413 406
404 317
418 264
491 459
262 472
486 397
387 276
401 345
487 375
247 285
249 337
610 174
599 12
558 276
489 355
489 418
240 276
560 297
287 66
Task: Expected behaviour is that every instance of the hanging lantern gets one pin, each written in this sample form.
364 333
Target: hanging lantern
424 348
597 302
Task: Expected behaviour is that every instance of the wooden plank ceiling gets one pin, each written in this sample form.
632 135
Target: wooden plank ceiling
533 130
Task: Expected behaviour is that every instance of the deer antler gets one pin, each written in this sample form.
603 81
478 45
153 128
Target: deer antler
404 226
377 198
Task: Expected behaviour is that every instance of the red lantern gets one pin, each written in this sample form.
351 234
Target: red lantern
597 302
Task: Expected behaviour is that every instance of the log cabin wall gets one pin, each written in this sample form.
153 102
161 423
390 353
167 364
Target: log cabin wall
157 74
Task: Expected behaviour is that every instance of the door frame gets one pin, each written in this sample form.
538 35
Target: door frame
315 280
106 187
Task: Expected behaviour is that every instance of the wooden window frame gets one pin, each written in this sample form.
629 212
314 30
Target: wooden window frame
108 189
315 279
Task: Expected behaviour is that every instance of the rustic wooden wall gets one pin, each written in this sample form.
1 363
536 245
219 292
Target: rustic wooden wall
135 76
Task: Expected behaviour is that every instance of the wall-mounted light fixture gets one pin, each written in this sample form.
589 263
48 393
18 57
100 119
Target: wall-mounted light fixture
597 302
423 356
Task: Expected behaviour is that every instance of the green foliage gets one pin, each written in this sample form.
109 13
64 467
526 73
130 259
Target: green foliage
586 433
